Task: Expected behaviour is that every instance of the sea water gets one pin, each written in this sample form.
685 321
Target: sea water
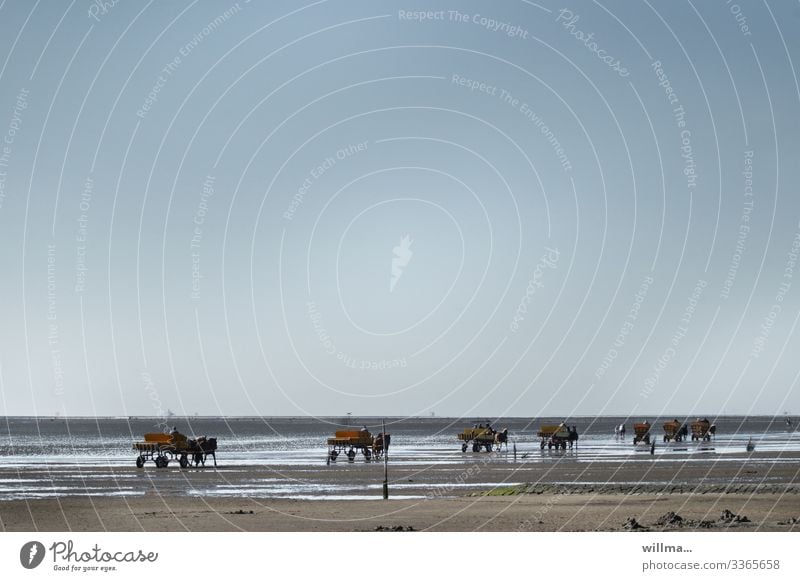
71 454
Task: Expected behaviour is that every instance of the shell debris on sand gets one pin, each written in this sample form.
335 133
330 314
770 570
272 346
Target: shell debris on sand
674 520
728 517
395 529
670 519
633 525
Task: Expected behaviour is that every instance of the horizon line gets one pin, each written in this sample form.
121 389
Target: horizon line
416 417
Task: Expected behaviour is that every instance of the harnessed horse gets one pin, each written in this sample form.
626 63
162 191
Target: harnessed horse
501 438
202 448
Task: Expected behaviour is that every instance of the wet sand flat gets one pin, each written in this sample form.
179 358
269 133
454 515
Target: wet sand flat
483 492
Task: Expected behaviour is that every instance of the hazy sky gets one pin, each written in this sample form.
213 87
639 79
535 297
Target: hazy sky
399 208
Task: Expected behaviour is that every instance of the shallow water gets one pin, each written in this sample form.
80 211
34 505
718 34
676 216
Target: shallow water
76 451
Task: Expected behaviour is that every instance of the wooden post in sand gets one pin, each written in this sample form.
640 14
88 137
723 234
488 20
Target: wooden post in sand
385 463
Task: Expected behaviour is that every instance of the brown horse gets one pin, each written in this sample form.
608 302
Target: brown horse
202 448
381 444
501 438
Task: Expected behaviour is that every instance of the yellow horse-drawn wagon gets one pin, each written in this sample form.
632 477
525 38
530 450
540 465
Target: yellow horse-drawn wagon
702 430
351 441
675 431
163 448
482 437
641 433
557 436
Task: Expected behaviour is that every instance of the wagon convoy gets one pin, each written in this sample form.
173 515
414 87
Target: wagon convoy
483 437
676 431
163 448
350 442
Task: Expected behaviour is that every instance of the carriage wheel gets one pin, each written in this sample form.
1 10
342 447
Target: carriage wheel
140 462
476 447
333 455
184 461
489 447
367 454
161 462
464 447
351 455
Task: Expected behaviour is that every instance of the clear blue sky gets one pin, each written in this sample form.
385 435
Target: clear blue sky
399 208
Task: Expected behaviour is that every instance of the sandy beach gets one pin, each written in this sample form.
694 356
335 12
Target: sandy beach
532 513
482 493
